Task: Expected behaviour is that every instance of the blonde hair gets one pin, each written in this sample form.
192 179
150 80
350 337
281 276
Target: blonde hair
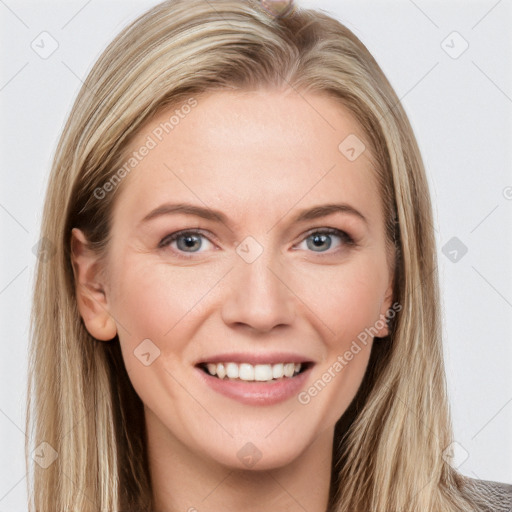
388 452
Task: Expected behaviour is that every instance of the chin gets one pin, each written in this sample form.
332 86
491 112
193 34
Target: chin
250 456
262 448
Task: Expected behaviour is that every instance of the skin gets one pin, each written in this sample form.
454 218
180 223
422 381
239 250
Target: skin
259 157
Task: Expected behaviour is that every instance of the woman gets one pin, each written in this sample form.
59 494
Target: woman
194 346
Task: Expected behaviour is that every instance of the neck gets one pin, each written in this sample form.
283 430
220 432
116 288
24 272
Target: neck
186 481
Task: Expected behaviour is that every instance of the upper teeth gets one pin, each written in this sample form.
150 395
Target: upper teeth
258 372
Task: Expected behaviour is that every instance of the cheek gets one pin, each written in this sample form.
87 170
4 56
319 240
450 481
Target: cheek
347 302
151 299
347 299
154 306
163 304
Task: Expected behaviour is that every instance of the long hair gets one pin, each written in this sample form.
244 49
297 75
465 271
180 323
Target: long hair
389 446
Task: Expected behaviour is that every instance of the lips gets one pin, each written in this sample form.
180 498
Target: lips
255 379
255 367
255 358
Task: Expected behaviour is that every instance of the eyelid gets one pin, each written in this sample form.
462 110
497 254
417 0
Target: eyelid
327 230
171 237
346 238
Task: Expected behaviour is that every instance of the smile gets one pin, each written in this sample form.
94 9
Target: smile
253 373
251 379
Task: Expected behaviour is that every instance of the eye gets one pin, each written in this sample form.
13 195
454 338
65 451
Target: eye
190 241
321 240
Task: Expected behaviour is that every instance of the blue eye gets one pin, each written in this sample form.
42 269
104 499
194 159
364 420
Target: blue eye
321 240
186 241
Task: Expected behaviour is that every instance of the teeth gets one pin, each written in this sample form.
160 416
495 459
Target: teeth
232 370
246 372
289 369
221 371
278 371
262 372
251 373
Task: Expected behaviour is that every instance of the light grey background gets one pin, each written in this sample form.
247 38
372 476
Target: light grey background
460 106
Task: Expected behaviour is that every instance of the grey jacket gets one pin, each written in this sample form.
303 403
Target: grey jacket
490 496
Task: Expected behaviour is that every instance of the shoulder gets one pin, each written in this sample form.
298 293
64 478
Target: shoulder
490 496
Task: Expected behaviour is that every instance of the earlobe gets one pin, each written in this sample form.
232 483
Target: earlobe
383 324
90 290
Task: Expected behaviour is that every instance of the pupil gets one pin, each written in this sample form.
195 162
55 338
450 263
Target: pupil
318 240
190 241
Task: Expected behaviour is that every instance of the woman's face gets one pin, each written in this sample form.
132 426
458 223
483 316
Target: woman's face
280 265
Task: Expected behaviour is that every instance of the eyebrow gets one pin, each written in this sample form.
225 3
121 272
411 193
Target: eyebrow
217 216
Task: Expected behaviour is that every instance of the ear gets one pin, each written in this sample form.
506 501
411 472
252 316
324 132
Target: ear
90 291
385 307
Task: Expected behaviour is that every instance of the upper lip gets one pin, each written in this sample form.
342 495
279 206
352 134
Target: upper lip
263 358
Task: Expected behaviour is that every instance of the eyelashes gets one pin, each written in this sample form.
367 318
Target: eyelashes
316 238
191 237
323 234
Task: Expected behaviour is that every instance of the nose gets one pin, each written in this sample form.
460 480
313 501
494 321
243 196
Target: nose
258 296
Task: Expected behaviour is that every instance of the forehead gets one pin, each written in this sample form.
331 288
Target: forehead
257 151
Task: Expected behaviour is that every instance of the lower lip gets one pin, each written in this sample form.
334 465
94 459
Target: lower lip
256 393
